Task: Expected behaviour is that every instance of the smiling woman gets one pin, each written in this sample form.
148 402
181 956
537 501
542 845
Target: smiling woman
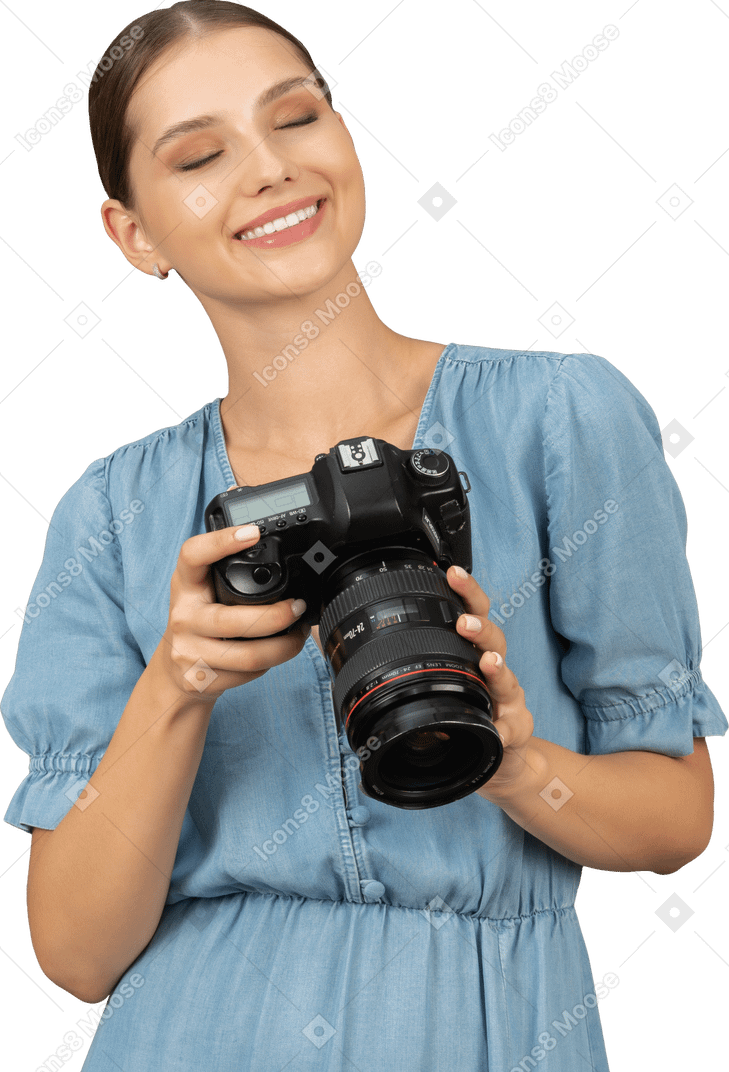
109 97
205 175
197 816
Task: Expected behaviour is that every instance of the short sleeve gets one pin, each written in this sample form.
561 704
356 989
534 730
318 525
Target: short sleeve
77 662
621 593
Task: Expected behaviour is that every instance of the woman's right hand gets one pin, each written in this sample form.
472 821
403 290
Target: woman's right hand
196 623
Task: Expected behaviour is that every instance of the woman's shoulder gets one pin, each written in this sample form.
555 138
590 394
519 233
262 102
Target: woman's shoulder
546 361
186 431
162 455
550 372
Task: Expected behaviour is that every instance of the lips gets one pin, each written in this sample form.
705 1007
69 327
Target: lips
278 213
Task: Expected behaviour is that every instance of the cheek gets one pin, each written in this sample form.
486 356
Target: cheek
334 153
346 170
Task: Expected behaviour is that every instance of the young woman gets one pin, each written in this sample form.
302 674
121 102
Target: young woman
201 848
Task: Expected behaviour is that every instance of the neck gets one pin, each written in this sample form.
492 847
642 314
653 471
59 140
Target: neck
313 370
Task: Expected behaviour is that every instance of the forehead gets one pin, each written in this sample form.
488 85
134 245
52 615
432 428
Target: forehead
224 70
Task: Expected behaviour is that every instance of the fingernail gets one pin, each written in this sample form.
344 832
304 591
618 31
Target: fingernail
470 623
495 659
298 607
247 532
502 739
460 573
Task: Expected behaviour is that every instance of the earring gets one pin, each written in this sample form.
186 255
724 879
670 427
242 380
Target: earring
155 269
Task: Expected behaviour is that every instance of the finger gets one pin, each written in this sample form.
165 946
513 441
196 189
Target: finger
476 625
470 591
482 632
246 656
248 622
199 552
501 682
513 721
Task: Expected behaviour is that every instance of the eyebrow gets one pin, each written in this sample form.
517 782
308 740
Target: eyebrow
202 122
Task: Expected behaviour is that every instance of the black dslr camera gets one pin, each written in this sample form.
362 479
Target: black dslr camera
365 538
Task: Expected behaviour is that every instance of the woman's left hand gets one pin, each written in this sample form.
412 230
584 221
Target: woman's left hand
510 714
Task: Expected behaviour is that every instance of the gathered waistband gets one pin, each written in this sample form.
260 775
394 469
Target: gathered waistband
434 908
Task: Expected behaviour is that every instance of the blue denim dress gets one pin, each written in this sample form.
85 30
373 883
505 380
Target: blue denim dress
307 926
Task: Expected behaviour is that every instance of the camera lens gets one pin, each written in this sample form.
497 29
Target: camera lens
406 684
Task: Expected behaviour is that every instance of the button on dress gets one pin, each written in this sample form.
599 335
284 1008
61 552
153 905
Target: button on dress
309 927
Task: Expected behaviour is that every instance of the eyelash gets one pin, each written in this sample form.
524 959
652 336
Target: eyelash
312 118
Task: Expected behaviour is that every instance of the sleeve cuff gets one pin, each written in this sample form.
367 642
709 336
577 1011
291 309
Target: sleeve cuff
49 790
665 720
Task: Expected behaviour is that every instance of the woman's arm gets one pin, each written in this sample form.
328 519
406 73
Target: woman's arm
628 811
98 882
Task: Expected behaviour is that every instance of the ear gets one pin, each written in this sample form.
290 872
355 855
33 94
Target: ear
127 233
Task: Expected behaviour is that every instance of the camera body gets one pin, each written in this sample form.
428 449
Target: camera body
365 493
365 538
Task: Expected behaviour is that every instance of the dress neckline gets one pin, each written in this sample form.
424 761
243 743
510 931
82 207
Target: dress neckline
226 469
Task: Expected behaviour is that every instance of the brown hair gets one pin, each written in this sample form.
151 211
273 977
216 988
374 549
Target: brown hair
132 52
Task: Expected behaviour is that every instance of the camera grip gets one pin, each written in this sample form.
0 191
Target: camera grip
248 581
249 577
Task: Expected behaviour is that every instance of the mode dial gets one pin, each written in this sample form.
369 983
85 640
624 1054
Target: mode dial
431 466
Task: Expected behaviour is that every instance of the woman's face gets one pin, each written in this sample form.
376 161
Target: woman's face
251 161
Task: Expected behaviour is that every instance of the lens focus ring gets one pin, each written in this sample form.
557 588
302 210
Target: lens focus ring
381 586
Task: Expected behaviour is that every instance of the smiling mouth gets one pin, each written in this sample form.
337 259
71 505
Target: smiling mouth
283 223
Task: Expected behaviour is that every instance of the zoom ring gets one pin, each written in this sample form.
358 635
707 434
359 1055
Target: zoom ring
381 586
417 643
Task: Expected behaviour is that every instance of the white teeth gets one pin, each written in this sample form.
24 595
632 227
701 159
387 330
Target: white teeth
281 224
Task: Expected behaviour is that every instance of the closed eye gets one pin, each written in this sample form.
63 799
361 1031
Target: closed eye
200 163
